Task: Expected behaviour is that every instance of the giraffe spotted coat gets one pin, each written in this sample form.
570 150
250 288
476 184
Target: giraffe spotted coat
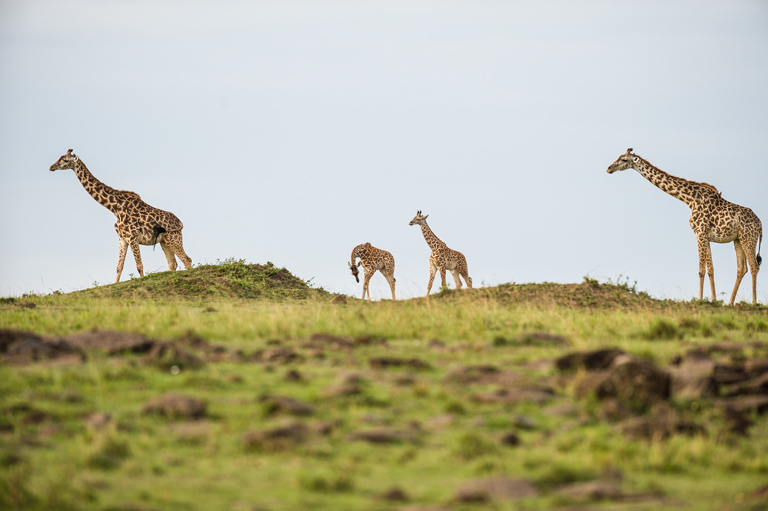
442 258
372 259
138 223
712 219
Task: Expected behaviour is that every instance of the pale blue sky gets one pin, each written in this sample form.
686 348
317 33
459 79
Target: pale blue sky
292 131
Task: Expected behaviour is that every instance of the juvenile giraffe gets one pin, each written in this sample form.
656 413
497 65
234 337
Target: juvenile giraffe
372 259
138 223
712 219
442 258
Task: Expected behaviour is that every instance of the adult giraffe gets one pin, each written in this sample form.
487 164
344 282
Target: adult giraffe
712 219
138 223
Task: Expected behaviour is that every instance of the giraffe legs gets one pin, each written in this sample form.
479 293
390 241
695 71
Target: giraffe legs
169 256
749 247
442 278
366 280
123 245
432 270
741 269
137 256
174 241
706 266
456 278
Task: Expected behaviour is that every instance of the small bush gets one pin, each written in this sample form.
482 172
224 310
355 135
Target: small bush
662 330
472 445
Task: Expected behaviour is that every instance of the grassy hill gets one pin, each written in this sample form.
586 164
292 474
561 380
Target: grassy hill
229 279
240 387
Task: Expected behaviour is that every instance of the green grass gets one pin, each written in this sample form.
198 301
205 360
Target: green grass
148 462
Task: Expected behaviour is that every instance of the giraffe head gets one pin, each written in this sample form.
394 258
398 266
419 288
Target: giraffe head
355 271
65 162
623 162
419 219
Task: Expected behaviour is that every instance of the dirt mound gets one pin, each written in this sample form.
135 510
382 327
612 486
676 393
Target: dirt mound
176 406
227 279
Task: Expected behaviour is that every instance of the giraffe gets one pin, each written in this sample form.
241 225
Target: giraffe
138 223
372 259
442 258
712 219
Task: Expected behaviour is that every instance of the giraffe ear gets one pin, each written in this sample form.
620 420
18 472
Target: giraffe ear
425 217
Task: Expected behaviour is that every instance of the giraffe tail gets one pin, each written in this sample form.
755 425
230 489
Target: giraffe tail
759 259
156 231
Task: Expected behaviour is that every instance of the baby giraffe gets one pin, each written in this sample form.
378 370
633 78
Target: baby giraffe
372 259
442 258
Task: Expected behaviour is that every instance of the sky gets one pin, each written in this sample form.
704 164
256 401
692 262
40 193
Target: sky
292 131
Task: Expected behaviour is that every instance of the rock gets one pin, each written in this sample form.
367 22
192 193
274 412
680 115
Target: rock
533 339
592 491
737 422
758 403
21 347
293 375
98 421
114 343
510 439
176 406
612 410
726 375
471 374
349 385
279 438
167 355
382 435
436 343
387 362
497 488
272 405
276 356
662 423
523 422
629 380
516 395
694 377
339 300
590 360
395 494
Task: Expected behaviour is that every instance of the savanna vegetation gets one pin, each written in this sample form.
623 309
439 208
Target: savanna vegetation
241 387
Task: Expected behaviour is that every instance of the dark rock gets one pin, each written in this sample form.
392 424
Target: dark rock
757 403
293 375
629 380
395 494
497 488
533 339
436 343
22 347
387 362
589 360
510 439
471 374
176 406
382 435
272 405
166 355
694 377
737 422
661 424
280 438
726 375
114 343
516 395
612 410
592 491
277 356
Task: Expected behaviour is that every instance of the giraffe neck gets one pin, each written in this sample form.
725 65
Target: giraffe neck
429 236
679 188
104 195
358 251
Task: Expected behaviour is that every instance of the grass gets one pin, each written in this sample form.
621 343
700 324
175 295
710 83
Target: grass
52 458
